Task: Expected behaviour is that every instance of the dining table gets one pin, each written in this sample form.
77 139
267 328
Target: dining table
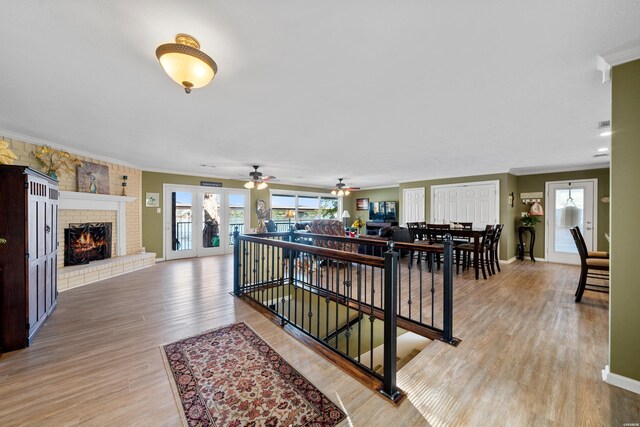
427 235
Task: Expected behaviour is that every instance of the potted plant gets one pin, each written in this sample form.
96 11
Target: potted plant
358 224
54 160
530 220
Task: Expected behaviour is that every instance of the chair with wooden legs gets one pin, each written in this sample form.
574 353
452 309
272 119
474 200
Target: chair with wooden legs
493 255
484 252
590 268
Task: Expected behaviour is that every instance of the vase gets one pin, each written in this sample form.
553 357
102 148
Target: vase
53 175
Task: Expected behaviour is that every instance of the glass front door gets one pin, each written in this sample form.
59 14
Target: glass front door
570 204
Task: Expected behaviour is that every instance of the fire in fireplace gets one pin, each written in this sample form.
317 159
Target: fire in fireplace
88 242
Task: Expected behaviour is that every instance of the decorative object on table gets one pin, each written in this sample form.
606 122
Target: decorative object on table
3 241
341 189
124 185
93 178
530 220
231 376
6 155
256 180
362 204
185 63
290 214
152 200
345 217
54 161
511 199
358 224
263 214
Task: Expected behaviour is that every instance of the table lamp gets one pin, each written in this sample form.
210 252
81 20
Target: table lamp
345 217
290 214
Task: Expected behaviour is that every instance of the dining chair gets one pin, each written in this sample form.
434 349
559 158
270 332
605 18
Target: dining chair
590 254
590 268
484 252
493 256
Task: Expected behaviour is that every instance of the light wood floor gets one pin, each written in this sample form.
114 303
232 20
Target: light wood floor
529 356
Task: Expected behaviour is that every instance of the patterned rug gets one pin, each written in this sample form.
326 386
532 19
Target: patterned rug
231 377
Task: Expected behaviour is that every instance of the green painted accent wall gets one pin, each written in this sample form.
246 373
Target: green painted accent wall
624 300
390 194
152 227
531 183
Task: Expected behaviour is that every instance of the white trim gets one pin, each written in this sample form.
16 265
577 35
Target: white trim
622 54
101 202
553 169
380 187
547 234
300 193
510 260
620 381
495 182
38 141
161 259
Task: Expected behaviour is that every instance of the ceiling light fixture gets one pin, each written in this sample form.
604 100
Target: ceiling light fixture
603 149
606 133
342 189
257 180
185 63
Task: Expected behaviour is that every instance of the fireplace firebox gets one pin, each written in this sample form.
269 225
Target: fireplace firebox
87 242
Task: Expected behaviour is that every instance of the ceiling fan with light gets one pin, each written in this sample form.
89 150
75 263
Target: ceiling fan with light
257 180
342 189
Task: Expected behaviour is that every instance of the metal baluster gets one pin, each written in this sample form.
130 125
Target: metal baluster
372 318
390 330
236 263
359 278
448 290
433 284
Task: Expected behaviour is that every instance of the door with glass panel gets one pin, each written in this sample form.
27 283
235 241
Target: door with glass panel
179 206
569 203
200 221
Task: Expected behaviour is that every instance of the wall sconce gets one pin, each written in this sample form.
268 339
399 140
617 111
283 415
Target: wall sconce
124 184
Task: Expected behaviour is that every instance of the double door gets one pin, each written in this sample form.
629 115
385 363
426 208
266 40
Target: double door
471 202
200 221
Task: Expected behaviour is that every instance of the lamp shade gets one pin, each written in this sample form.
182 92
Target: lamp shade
345 214
290 213
185 63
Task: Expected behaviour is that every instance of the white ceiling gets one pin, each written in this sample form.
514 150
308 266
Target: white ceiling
379 92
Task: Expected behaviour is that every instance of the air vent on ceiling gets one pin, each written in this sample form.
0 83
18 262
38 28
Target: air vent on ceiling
604 124
601 155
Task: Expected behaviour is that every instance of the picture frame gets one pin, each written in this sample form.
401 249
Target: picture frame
92 178
152 200
362 204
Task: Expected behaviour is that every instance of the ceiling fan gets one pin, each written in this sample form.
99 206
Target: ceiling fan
257 180
342 189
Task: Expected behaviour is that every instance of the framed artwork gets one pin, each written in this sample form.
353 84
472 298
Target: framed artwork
362 204
153 200
92 178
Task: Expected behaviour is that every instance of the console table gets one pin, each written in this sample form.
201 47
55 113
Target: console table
532 242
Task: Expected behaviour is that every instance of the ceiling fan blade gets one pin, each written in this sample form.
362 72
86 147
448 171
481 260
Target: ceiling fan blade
351 188
268 178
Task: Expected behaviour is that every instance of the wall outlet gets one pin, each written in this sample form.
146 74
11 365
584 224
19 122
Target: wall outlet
522 214
159 210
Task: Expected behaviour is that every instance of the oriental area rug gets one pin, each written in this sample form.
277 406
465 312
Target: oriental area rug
231 377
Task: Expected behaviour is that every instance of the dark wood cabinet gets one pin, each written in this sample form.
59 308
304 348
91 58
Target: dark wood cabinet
29 258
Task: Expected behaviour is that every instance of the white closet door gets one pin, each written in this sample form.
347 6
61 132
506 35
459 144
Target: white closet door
473 202
413 205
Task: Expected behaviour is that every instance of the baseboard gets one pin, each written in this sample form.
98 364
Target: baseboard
159 259
620 381
509 261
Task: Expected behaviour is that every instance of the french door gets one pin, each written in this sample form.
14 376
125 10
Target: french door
570 203
199 221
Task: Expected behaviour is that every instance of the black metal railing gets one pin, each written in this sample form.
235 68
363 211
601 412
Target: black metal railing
350 295
183 238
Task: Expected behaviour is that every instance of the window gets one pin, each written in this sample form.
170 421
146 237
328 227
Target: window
307 206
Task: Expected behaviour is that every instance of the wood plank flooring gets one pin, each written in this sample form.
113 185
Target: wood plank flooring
529 356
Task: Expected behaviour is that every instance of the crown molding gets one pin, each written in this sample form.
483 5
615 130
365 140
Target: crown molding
39 141
554 169
622 54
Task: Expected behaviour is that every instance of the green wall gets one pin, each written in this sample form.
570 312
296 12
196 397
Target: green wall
531 183
152 227
624 300
390 194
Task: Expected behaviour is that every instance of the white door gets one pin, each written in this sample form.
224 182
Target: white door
199 221
473 202
570 203
413 205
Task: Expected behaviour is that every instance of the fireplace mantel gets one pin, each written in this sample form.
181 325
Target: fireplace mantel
101 202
